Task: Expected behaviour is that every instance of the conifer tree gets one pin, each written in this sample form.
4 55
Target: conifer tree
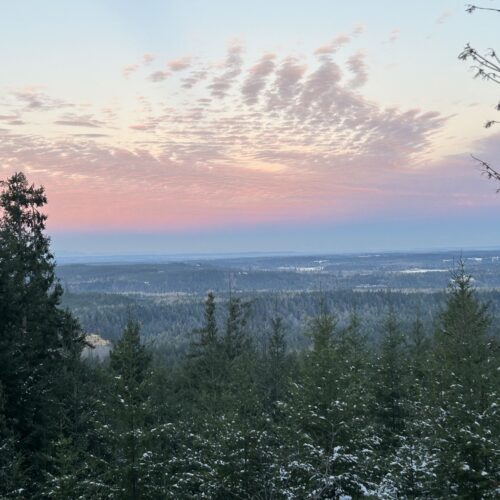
130 368
276 363
356 432
206 364
65 478
320 389
36 337
466 395
419 353
235 338
10 473
320 463
390 387
412 465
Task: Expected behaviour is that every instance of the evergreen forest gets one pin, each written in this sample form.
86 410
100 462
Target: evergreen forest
326 413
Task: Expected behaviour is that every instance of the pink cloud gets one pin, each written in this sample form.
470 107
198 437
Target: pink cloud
73 120
231 69
394 35
359 29
128 70
256 78
158 76
357 65
291 139
180 64
34 99
334 45
287 83
194 78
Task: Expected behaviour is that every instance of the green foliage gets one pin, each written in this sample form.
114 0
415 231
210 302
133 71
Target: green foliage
466 395
414 415
390 384
38 340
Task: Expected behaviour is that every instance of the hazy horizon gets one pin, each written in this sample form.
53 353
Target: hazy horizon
356 237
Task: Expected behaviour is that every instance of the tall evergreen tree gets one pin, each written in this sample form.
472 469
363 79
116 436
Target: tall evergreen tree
235 338
36 336
131 371
206 363
320 462
390 383
466 374
276 366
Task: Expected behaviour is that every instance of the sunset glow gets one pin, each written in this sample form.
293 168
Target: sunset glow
185 116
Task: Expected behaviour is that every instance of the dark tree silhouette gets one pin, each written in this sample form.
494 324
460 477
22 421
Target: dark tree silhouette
487 67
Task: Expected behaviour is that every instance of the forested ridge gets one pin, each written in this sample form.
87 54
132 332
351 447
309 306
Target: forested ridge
410 413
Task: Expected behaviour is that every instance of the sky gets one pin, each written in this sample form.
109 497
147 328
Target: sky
232 126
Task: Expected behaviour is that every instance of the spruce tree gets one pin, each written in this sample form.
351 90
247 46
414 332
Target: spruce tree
205 367
235 336
130 369
10 472
466 396
320 462
276 366
37 338
390 384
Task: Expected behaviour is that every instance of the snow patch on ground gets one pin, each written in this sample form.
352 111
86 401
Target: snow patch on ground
422 271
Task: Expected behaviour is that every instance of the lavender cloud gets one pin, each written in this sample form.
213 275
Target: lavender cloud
230 71
256 78
357 65
287 82
74 120
180 64
158 76
194 77
33 99
334 45
128 70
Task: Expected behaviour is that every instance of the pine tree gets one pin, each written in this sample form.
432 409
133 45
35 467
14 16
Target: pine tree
235 338
390 384
322 462
466 377
412 467
65 479
357 434
419 354
205 368
276 366
36 337
10 473
130 368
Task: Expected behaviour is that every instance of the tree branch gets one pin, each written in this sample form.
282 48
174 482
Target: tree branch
471 8
488 170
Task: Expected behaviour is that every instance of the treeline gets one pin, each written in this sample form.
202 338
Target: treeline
414 416
166 323
168 319
278 273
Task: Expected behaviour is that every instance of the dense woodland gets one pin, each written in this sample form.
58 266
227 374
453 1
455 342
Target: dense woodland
412 413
